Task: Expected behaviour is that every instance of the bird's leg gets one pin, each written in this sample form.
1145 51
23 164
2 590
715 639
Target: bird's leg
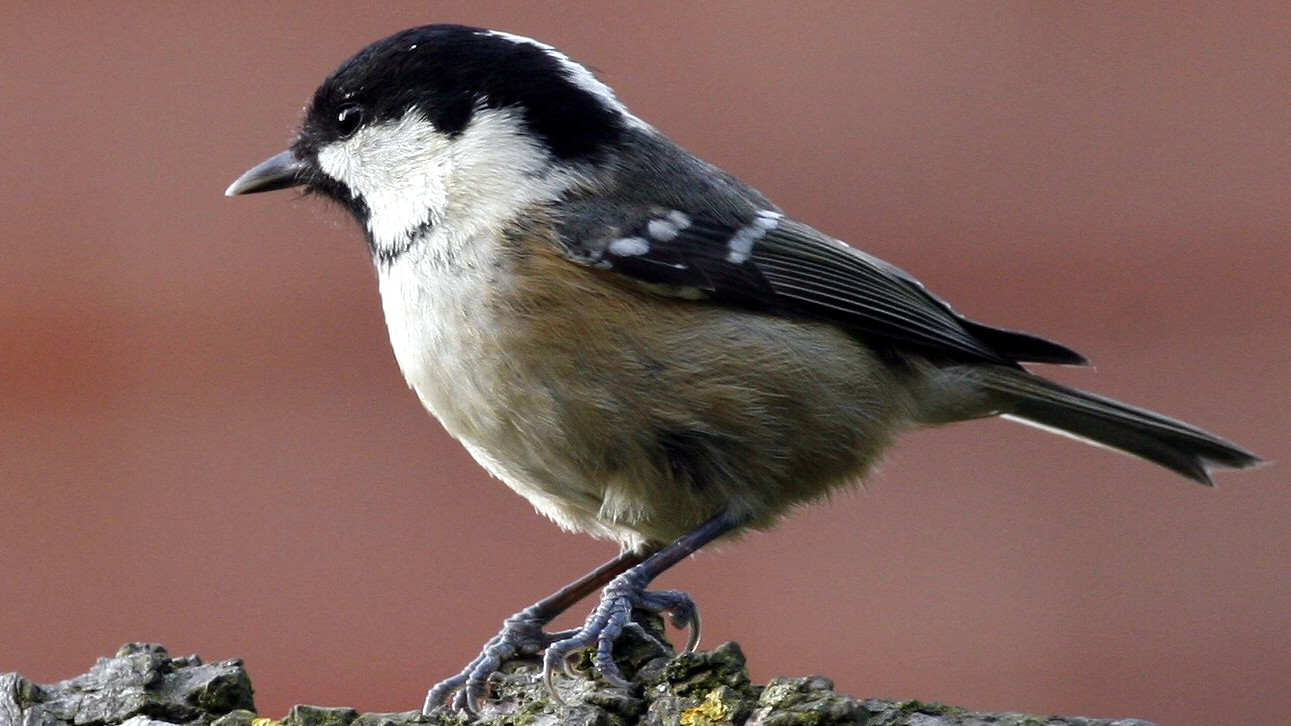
522 634
628 591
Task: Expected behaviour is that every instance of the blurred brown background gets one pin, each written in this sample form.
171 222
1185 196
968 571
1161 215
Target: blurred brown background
204 440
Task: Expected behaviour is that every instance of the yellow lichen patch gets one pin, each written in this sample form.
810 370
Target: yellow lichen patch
714 711
262 721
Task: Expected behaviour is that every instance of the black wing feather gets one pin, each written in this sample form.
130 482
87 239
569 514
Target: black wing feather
791 268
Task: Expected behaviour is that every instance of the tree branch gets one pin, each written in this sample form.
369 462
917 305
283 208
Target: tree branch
143 686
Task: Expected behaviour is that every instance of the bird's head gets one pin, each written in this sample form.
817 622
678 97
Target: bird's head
446 124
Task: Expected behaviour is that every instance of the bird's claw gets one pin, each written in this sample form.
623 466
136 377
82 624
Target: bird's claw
523 635
607 622
680 609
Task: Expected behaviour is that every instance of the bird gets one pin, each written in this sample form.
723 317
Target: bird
642 345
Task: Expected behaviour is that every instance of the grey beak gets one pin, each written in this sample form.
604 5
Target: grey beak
277 172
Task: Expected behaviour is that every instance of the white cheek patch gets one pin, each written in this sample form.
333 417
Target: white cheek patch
412 177
399 170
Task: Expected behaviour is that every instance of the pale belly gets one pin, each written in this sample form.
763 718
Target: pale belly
454 357
636 428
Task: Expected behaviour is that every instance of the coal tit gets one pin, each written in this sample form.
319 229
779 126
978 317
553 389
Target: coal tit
642 345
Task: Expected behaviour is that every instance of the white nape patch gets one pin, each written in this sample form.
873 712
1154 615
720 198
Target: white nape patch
578 74
740 246
410 176
629 247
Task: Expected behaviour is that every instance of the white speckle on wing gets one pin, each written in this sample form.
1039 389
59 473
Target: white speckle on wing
667 229
662 230
740 246
578 74
629 247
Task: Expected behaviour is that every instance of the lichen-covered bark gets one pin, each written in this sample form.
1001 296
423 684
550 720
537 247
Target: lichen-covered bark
143 686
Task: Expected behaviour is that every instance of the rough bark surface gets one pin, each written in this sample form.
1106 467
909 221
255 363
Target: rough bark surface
143 686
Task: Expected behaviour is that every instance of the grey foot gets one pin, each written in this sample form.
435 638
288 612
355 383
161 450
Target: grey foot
608 621
521 635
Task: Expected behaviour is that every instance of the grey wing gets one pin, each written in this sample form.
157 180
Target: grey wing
770 263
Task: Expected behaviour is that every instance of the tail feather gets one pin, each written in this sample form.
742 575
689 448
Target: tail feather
1173 444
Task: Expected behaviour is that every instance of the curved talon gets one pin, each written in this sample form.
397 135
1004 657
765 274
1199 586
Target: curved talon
692 641
571 671
439 694
550 659
461 702
681 610
558 654
482 668
473 696
549 683
611 629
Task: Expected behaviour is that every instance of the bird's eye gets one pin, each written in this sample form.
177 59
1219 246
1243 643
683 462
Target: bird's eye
348 120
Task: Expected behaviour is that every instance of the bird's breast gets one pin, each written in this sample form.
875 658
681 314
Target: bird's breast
454 336
443 338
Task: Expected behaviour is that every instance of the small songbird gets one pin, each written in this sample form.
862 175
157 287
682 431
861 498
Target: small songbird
640 344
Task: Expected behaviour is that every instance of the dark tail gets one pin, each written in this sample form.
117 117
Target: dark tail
1165 441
